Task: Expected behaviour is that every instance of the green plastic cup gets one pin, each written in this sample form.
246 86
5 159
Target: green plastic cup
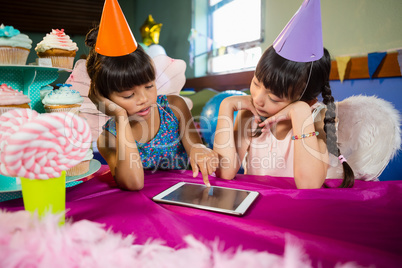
43 196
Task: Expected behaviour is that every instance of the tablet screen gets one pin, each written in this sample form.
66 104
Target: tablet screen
220 199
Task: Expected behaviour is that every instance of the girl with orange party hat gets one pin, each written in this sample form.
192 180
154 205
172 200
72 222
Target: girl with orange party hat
281 130
145 130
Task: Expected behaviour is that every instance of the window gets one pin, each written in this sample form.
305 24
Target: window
233 35
235 21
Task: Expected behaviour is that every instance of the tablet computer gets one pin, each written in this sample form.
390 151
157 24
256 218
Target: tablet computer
214 198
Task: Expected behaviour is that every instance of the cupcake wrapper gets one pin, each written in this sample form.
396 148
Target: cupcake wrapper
62 62
9 108
13 55
79 169
75 110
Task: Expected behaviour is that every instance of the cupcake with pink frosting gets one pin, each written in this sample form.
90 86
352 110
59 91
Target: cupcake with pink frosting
59 47
12 99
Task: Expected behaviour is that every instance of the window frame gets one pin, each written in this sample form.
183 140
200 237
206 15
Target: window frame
213 52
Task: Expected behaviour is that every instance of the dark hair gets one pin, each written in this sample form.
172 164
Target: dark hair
111 74
286 78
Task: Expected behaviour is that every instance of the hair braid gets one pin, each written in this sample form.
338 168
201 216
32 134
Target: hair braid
330 130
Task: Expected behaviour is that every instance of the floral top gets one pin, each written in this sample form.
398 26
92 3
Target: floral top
165 150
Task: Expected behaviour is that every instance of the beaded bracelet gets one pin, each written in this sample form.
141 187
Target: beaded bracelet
302 136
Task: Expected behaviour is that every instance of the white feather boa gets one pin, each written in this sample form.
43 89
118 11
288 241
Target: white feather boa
26 241
369 136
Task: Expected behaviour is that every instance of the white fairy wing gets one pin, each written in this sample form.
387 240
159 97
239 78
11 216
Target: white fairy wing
80 81
369 135
170 76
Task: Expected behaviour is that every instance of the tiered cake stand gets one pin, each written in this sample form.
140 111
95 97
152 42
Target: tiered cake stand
29 79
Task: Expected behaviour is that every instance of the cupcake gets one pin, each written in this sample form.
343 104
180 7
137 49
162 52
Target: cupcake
82 167
12 99
44 90
63 99
14 46
59 48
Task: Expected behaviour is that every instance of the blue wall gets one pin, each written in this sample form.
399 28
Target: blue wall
389 89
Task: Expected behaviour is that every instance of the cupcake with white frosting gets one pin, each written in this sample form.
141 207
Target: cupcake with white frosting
14 46
57 46
63 99
44 90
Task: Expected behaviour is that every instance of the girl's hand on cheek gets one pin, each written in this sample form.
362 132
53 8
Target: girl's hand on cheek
205 160
105 105
112 109
287 113
267 123
238 103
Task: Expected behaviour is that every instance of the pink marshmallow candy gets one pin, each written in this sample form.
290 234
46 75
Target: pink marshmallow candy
40 146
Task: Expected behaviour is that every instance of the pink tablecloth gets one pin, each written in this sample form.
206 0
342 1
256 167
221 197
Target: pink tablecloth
362 224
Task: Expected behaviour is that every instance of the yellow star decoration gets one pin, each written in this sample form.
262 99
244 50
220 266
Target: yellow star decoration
150 31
